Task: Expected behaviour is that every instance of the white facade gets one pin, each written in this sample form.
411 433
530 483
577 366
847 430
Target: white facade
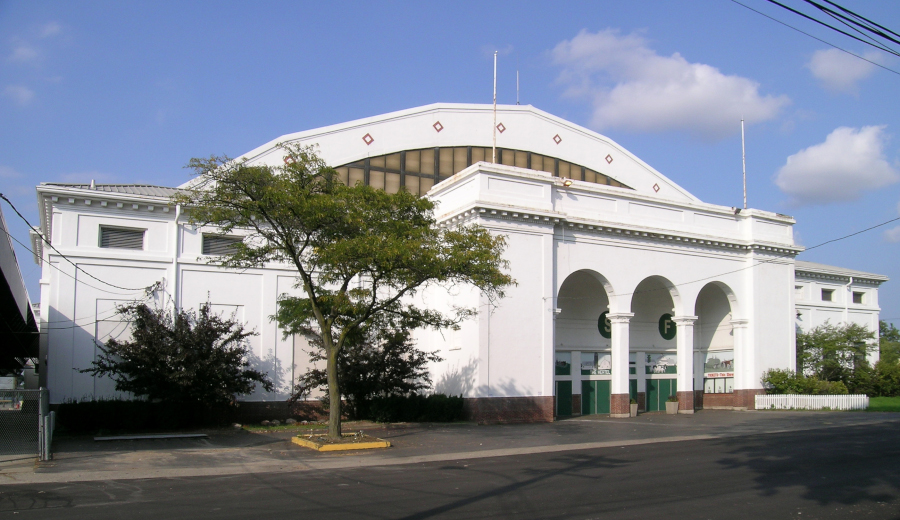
631 246
828 294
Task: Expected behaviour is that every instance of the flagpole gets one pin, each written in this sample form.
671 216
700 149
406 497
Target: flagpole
494 148
744 162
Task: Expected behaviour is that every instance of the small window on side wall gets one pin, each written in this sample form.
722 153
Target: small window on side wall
121 238
219 245
827 295
858 297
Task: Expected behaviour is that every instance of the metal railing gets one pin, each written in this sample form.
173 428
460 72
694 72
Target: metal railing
812 402
26 423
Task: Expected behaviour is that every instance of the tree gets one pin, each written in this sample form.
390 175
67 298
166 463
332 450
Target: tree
837 353
185 357
377 363
360 254
889 342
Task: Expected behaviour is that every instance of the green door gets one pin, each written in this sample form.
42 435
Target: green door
588 397
653 395
563 398
603 391
632 389
658 392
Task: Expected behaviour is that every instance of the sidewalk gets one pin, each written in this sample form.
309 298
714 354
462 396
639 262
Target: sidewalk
228 452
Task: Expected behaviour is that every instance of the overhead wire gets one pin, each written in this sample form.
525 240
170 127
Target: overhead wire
761 262
67 274
44 239
816 38
833 28
854 20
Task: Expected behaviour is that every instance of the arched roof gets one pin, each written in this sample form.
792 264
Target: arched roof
520 127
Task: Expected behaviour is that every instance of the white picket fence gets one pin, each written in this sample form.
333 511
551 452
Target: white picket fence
812 402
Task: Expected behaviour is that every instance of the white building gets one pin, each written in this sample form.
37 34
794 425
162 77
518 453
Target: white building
628 285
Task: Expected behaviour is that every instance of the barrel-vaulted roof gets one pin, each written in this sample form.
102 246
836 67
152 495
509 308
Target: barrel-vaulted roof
519 127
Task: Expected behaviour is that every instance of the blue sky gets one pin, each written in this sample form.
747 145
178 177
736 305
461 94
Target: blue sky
128 92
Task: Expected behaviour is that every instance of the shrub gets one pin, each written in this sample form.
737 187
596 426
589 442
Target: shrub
416 408
181 357
887 378
780 381
120 415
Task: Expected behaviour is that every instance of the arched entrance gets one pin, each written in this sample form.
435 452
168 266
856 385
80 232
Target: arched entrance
653 344
715 344
581 370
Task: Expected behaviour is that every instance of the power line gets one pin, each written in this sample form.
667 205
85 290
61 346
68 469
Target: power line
845 33
816 37
779 256
107 291
44 239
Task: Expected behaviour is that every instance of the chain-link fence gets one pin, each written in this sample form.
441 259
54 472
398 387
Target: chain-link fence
23 416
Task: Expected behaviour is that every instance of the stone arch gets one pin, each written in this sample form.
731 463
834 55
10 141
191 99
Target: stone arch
715 341
653 297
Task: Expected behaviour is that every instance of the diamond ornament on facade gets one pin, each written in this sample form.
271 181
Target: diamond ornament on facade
501 128
438 127
368 139
656 188
609 159
557 139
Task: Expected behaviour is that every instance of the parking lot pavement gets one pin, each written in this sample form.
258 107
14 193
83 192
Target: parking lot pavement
229 451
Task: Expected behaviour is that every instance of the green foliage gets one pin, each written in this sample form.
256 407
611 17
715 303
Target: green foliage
121 415
417 408
887 378
360 254
889 342
837 353
383 363
780 381
182 358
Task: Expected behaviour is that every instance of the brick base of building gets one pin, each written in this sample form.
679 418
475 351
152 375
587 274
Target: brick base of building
619 405
746 399
642 401
576 404
686 402
509 409
717 401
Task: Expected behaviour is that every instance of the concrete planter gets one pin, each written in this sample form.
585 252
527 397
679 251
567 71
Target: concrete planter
634 410
672 407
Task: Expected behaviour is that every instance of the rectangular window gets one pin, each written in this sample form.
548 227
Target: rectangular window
219 245
563 364
858 297
827 295
121 238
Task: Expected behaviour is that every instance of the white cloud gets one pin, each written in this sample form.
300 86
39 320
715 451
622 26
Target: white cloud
50 29
892 235
24 54
8 173
20 94
849 162
634 88
839 71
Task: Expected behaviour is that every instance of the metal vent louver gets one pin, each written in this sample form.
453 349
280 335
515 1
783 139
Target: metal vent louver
219 245
121 238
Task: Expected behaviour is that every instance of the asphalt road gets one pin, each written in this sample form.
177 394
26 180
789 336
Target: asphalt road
849 472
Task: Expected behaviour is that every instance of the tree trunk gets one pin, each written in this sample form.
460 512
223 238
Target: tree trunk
334 395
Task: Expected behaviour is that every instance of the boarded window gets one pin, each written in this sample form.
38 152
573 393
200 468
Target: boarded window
121 238
219 245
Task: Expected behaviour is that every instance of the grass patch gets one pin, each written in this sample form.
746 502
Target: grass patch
884 404
284 427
